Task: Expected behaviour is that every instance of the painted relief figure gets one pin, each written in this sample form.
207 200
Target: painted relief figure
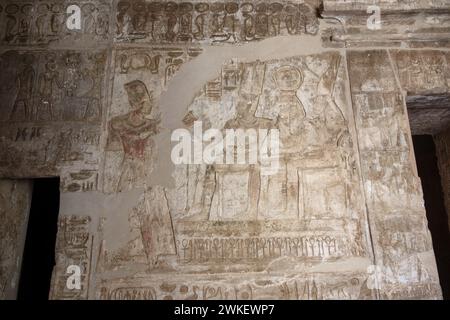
134 131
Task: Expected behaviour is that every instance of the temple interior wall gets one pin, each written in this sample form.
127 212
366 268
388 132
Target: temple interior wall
98 106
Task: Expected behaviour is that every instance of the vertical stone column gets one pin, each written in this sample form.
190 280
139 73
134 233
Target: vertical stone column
15 201
405 264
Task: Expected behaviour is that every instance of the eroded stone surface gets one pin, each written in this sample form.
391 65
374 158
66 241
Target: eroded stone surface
220 218
51 114
303 287
412 24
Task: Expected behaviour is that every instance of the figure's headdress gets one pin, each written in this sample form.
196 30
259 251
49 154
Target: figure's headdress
288 78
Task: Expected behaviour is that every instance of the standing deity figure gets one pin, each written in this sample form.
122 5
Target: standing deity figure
134 131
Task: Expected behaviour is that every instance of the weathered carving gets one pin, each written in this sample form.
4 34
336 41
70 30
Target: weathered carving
301 287
422 71
404 24
134 120
134 130
223 231
214 22
442 142
401 239
15 200
74 247
51 111
317 211
266 96
216 250
44 22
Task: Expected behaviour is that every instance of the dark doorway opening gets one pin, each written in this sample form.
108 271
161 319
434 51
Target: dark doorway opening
425 152
39 253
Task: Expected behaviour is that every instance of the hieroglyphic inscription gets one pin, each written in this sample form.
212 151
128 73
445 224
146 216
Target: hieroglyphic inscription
74 248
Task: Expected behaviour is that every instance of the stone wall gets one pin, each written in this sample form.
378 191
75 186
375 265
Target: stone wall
442 141
98 106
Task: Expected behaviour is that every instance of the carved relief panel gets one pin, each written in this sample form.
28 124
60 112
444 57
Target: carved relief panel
402 242
223 218
211 22
45 22
141 75
73 248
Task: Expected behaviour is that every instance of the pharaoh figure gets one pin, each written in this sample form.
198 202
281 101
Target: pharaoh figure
238 186
134 130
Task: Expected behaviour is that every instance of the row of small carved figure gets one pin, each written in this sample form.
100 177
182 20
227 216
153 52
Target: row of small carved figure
200 249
